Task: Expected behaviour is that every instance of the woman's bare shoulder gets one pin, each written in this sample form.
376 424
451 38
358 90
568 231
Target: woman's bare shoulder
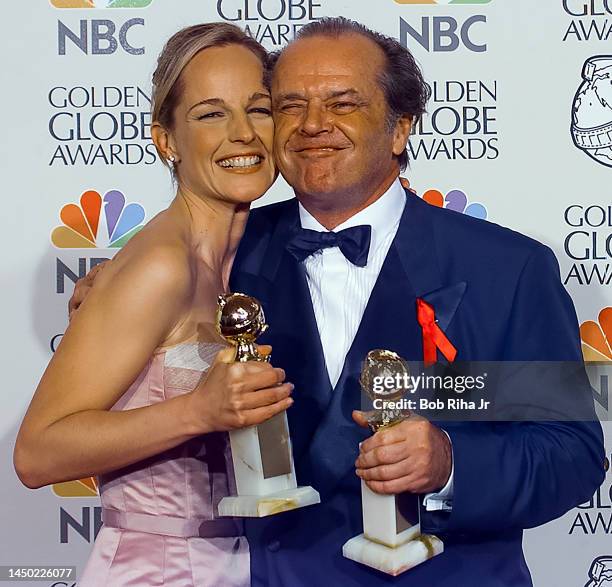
133 305
158 256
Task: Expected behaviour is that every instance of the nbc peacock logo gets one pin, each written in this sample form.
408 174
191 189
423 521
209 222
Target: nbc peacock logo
457 201
596 338
87 487
85 227
100 3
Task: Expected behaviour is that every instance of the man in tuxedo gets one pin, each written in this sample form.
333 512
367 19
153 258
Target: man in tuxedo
339 269
344 100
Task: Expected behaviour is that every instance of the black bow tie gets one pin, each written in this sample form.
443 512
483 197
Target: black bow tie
354 243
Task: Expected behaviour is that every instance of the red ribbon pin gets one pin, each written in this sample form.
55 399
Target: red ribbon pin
433 337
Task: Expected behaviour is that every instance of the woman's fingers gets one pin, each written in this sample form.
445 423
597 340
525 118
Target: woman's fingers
265 397
259 415
253 375
235 395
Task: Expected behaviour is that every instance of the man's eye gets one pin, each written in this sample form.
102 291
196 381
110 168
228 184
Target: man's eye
291 108
344 106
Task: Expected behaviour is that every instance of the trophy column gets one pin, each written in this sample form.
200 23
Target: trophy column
391 541
261 455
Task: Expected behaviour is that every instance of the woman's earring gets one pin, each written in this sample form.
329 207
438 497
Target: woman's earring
171 160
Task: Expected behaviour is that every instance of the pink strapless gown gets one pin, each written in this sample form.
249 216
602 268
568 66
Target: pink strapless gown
157 513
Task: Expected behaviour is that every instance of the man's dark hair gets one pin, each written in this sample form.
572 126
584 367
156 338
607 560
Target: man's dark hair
401 80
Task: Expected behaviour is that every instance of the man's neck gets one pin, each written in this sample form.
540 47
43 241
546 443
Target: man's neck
332 216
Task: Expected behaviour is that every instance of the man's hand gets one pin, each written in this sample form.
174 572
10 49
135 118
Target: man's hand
82 287
413 456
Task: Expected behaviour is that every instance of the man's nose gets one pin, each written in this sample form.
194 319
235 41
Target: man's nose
240 129
316 120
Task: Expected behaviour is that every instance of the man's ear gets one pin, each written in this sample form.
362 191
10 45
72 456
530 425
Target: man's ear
164 141
401 134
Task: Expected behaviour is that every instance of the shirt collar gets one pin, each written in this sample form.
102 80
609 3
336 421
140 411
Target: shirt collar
383 215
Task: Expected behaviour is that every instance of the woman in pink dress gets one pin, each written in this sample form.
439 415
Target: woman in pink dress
141 391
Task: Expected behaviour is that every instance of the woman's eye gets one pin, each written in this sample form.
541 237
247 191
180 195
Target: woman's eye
263 111
210 115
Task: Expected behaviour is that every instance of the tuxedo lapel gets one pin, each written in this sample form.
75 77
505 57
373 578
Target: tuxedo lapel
416 246
388 322
272 275
445 301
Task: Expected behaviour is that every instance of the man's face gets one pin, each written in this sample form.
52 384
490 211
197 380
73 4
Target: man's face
332 143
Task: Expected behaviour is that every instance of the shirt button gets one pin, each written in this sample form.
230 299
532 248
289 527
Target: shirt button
274 546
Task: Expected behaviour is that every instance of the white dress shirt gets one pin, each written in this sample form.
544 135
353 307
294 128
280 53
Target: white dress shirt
332 279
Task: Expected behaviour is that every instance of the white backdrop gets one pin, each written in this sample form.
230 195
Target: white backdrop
498 142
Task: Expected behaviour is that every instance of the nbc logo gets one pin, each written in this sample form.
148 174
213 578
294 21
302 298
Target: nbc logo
82 522
457 201
85 227
443 2
87 487
100 3
597 337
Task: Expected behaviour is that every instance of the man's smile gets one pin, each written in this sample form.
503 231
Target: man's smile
315 149
319 151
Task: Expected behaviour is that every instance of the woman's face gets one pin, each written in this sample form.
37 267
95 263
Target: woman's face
223 129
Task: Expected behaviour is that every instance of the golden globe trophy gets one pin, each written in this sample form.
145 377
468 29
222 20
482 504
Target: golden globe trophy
391 541
263 463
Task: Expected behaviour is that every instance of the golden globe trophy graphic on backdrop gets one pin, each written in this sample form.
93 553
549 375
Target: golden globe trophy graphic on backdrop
391 541
263 463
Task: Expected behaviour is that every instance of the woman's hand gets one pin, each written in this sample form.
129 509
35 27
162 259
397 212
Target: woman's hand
236 395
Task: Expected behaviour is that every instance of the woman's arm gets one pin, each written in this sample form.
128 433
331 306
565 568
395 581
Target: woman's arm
68 431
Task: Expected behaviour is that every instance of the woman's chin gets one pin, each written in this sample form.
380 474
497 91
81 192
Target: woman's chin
247 191
245 197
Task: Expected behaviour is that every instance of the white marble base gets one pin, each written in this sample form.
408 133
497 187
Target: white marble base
392 560
258 506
